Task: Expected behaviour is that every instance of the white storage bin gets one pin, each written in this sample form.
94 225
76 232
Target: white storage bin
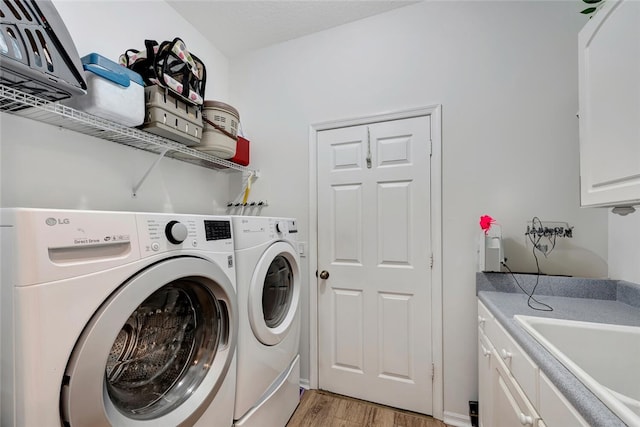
114 92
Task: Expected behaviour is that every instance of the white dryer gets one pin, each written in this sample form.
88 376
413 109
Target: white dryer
268 286
116 319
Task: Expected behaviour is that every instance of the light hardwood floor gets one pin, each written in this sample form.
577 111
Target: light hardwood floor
323 409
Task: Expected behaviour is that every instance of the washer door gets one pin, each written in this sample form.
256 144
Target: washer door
274 293
157 351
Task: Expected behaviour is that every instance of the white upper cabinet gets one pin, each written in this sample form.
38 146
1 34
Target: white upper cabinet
609 67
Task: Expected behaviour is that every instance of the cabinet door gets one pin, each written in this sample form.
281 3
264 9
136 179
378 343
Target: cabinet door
555 408
510 406
609 68
484 380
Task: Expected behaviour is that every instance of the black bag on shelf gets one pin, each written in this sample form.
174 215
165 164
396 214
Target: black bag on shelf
171 66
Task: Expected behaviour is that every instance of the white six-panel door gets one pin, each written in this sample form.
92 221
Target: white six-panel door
374 309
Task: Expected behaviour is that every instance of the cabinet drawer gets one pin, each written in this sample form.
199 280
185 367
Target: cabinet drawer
520 366
555 409
485 353
511 406
485 318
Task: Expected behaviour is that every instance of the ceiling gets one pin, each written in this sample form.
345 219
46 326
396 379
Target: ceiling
239 26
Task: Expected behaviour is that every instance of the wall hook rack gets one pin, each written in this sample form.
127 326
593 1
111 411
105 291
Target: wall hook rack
543 234
248 204
540 228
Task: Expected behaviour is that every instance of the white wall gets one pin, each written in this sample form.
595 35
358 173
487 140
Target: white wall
506 76
44 166
109 27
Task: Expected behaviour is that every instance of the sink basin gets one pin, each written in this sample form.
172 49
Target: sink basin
604 357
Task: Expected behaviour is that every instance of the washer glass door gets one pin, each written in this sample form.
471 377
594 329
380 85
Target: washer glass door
277 291
274 293
156 359
157 350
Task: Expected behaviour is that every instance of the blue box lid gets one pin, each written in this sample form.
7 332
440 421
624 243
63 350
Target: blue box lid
110 70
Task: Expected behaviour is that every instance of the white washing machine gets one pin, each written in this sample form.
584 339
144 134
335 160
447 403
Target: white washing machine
268 286
116 319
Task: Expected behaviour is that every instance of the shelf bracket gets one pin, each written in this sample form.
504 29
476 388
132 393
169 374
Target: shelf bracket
144 177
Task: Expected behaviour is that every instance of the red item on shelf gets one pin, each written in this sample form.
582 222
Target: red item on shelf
242 152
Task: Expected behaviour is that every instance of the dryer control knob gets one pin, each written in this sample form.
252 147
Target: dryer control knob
281 227
176 232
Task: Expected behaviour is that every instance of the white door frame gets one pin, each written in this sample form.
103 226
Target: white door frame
436 239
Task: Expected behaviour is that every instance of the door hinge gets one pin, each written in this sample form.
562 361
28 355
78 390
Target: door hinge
431 261
430 147
433 371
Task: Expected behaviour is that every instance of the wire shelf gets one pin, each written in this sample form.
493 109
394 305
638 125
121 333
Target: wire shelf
25 105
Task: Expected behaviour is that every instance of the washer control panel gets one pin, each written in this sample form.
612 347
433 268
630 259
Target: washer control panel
250 231
166 232
63 243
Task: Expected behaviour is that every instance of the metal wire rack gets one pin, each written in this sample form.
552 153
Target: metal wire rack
30 106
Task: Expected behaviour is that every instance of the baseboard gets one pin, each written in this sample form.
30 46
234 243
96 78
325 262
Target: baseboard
457 420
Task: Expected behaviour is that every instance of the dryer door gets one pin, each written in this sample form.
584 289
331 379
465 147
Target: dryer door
156 351
274 293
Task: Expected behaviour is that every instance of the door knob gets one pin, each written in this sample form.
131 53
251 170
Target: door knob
324 274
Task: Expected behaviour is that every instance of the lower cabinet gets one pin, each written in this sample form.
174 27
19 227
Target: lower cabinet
513 392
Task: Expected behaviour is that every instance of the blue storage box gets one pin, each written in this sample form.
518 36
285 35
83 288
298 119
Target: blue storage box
114 92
